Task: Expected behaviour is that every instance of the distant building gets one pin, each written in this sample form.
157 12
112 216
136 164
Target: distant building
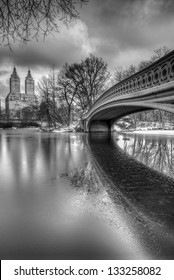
15 100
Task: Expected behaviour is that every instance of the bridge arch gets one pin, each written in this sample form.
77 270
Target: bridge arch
103 120
150 88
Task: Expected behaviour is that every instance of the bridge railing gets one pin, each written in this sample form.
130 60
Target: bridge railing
159 72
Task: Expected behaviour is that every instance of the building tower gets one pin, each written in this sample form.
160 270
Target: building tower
29 84
14 82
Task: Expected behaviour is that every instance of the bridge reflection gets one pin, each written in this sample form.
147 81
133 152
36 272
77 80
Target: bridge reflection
146 195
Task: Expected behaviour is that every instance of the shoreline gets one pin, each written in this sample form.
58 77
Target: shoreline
160 131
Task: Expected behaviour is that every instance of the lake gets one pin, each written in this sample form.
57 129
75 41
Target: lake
80 196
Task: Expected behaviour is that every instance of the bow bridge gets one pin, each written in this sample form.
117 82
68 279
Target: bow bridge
150 88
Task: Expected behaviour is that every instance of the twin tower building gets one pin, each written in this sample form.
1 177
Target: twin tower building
15 100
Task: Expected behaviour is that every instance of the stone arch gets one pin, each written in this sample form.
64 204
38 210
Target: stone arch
102 119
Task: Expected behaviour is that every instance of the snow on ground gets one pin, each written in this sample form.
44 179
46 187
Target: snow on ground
165 132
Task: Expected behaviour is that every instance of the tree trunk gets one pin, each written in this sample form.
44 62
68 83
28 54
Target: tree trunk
69 115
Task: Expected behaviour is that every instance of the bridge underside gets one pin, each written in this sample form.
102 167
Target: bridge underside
103 120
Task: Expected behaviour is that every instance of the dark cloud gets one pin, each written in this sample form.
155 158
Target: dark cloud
115 16
115 10
66 46
118 26
166 7
34 56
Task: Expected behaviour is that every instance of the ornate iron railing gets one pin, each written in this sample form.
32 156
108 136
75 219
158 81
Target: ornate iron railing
159 72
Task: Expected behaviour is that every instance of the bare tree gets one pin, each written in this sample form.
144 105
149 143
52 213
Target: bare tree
29 113
22 20
143 64
158 53
120 73
67 89
90 77
48 106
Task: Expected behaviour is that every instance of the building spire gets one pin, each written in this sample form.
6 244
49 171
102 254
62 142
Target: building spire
29 73
14 82
29 83
14 70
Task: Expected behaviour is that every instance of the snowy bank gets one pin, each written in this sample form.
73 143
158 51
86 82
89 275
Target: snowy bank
164 132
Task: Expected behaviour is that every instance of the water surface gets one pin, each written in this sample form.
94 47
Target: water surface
65 196
154 150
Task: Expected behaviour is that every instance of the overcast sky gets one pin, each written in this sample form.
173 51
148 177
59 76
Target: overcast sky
121 32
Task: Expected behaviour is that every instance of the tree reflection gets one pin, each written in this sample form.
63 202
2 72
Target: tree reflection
155 153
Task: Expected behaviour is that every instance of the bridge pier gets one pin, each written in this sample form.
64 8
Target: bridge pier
99 126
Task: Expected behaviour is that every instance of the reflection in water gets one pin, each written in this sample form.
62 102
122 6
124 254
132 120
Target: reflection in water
84 178
157 153
41 215
145 195
34 199
100 209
